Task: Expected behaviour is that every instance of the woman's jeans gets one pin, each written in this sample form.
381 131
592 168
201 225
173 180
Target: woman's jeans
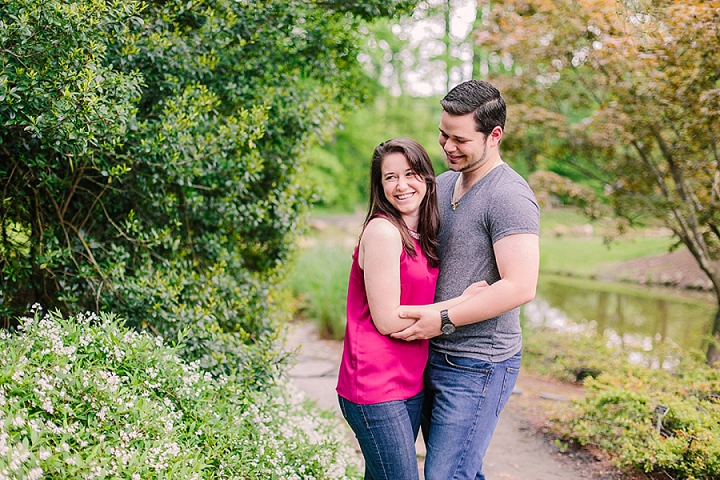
386 433
463 399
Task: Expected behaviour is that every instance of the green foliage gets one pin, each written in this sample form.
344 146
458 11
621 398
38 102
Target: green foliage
370 9
567 357
342 169
85 397
152 156
617 412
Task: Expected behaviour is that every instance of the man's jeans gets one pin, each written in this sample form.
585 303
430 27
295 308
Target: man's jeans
386 433
463 399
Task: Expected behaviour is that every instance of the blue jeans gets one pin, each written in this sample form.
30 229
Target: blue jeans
463 399
386 433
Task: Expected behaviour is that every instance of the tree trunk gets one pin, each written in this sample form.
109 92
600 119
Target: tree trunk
688 236
713 353
448 43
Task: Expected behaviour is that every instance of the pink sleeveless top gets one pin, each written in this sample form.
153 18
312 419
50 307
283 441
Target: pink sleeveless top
377 368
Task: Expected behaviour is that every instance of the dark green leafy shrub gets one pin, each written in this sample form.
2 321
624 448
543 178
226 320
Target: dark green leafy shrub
618 413
85 397
152 156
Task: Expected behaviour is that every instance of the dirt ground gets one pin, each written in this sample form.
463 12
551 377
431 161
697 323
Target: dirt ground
541 399
676 269
522 447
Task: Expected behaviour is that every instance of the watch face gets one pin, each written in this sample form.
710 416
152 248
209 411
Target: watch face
448 328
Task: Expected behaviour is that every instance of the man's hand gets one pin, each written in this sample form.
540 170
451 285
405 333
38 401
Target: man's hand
474 288
427 325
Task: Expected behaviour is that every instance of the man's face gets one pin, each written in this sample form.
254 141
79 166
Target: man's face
465 148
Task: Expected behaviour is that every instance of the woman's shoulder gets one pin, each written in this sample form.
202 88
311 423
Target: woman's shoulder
380 239
380 229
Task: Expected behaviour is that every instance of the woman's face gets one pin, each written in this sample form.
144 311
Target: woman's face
403 188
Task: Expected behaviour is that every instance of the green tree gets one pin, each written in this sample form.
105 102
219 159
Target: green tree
634 87
413 59
341 167
423 54
151 155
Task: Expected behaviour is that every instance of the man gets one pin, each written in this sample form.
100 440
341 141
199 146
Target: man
490 228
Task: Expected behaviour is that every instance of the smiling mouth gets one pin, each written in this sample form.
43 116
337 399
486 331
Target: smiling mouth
405 196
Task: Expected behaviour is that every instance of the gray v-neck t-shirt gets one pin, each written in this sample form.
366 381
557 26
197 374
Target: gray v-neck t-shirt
498 205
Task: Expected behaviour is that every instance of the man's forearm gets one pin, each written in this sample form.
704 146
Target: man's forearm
502 296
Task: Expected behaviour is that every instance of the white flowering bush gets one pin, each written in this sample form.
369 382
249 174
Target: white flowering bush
85 397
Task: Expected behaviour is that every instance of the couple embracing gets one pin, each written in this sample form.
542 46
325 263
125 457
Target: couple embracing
469 243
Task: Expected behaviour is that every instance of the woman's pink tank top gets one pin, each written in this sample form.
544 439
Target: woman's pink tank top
377 368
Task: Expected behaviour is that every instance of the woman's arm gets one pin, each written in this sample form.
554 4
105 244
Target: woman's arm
379 258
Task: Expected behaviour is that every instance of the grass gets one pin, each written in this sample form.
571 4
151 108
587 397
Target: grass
319 283
570 245
583 257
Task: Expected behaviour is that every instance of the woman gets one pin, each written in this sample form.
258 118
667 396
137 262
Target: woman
380 382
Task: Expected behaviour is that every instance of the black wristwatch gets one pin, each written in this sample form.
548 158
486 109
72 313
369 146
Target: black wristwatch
447 326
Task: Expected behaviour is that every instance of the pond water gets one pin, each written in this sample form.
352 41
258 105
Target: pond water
637 319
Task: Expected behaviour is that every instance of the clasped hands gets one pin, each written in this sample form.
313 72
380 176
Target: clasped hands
427 319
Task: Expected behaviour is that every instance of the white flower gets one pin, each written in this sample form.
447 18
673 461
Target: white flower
4 447
34 474
48 406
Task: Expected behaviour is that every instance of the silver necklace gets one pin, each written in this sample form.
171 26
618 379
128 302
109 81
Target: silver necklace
455 204
414 234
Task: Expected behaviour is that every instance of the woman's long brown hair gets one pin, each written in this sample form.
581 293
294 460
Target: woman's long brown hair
429 224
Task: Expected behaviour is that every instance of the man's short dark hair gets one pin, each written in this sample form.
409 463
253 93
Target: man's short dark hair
479 98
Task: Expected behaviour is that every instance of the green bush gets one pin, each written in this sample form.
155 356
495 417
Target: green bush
617 412
152 154
567 357
85 397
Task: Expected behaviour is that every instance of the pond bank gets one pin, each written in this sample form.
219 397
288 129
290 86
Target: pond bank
677 270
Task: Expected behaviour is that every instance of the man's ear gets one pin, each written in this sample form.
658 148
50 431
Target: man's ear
496 135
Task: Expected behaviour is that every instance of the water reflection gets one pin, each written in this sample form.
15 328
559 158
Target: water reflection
635 319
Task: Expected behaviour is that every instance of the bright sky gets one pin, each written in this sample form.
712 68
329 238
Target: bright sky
424 71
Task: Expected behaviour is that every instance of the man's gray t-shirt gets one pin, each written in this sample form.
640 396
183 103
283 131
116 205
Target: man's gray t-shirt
498 205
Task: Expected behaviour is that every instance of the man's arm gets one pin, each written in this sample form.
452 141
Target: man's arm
518 260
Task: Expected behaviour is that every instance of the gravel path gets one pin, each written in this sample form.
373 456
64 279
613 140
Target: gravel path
519 451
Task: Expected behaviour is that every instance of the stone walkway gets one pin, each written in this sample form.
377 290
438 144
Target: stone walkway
517 451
